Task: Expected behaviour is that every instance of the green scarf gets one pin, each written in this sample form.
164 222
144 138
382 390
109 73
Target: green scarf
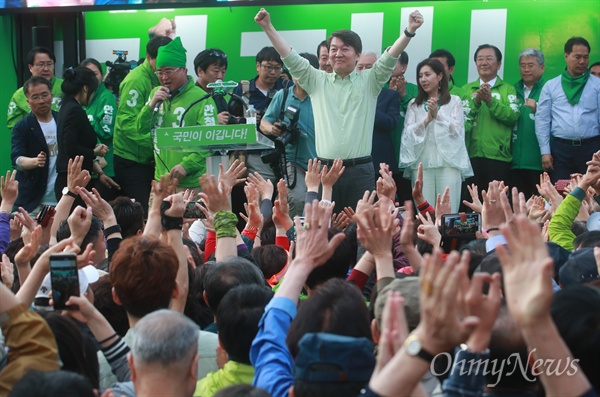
573 86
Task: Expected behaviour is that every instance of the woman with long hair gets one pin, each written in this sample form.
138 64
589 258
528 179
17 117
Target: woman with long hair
76 137
434 135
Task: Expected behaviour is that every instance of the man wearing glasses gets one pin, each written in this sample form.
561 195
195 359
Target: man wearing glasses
494 111
165 108
260 91
40 61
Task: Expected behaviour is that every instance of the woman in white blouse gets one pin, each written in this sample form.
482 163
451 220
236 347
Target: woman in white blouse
434 134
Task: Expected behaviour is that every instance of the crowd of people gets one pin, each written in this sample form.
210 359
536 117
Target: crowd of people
349 270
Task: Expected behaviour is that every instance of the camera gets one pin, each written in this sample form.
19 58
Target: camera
290 133
117 70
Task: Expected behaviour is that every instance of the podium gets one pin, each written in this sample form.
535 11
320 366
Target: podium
217 139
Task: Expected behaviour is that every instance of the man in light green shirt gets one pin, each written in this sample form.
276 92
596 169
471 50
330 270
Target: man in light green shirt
344 102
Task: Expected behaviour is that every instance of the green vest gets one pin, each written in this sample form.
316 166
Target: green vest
525 148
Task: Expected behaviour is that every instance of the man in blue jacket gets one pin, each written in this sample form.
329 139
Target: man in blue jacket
34 147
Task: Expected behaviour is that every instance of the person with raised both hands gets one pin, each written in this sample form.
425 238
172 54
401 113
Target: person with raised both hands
344 102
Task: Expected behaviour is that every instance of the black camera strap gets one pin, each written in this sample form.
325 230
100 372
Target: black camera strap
286 92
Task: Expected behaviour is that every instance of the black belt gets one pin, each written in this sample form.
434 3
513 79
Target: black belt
577 142
348 162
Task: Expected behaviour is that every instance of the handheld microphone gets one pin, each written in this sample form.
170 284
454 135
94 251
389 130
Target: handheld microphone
160 102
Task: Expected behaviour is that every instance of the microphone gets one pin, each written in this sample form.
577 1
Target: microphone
160 102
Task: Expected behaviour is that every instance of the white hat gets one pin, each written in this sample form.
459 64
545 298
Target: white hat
87 275
593 222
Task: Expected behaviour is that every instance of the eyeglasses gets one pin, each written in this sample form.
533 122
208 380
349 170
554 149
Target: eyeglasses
481 59
166 72
42 96
270 68
218 54
43 65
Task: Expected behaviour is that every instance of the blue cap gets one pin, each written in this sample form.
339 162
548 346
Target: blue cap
579 269
330 358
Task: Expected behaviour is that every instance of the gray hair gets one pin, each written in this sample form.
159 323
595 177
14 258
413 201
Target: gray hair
532 52
165 337
370 53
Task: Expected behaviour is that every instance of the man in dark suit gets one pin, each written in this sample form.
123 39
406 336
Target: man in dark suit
34 147
386 119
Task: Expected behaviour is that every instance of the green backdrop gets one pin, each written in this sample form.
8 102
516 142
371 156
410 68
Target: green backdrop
544 24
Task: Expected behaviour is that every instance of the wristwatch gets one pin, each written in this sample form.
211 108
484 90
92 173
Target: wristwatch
414 348
68 192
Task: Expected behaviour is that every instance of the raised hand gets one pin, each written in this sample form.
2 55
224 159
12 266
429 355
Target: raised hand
100 207
476 205
375 229
312 178
9 189
233 175
443 205
79 222
265 187
417 191
75 176
386 186
215 199
281 209
330 176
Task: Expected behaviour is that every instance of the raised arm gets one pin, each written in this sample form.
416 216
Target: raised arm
415 20
281 45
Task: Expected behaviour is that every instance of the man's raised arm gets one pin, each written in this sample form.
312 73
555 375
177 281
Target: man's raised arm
415 20
281 45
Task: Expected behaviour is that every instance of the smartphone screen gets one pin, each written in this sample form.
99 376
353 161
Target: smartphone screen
64 279
461 225
193 212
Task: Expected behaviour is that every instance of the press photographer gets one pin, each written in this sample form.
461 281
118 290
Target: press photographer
278 122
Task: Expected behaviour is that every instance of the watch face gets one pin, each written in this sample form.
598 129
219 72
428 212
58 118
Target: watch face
65 190
414 347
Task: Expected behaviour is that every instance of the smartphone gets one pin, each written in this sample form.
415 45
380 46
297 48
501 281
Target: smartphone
45 215
561 185
64 279
193 212
461 225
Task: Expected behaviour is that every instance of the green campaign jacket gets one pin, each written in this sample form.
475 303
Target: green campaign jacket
169 115
102 112
491 134
130 142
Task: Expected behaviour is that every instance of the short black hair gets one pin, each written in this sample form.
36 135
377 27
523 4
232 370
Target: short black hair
30 58
52 384
36 80
587 239
403 58
303 388
270 259
241 390
576 313
349 38
573 41
208 57
325 44
594 64
484 46
313 60
268 54
238 316
336 267
225 275
336 307
154 44
129 215
64 232
443 53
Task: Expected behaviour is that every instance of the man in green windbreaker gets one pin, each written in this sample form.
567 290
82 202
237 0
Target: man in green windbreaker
133 157
40 61
494 112
176 93
527 158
